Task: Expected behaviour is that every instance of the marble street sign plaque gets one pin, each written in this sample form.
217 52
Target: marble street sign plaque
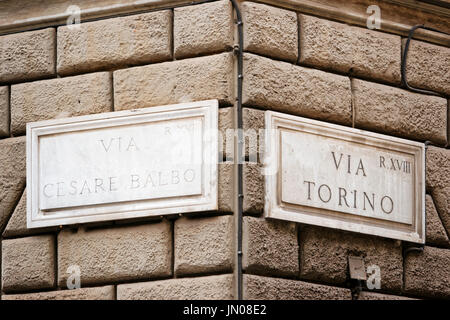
119 165
344 178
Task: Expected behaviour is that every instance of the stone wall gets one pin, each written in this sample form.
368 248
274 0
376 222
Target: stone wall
293 63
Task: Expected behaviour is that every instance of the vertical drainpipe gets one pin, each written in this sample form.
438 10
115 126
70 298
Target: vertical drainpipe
240 147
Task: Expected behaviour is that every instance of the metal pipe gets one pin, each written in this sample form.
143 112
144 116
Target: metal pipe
240 146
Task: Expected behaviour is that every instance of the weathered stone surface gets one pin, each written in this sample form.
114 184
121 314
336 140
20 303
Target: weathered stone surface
441 197
113 43
226 186
28 263
270 31
27 55
117 254
399 112
253 185
204 245
59 98
265 288
195 79
253 125
438 167
226 138
438 181
435 232
203 288
12 175
324 256
358 51
17 224
270 247
428 66
96 293
427 273
4 112
284 87
366 295
202 29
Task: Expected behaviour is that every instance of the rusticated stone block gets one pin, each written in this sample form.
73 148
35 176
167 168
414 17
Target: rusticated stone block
366 295
96 293
27 55
270 247
426 273
4 112
253 184
203 288
226 137
59 98
28 263
438 167
12 175
428 66
358 51
265 288
435 232
253 125
17 224
202 29
438 181
284 87
324 256
204 245
399 112
117 254
226 186
195 79
113 43
270 31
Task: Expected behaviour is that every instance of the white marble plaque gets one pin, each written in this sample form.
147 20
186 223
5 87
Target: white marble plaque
333 176
128 164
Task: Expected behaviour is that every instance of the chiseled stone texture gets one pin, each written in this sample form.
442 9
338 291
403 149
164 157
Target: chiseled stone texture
270 247
59 98
438 181
4 112
367 295
28 263
96 293
435 232
427 273
270 31
226 186
12 175
324 256
203 29
226 125
428 66
187 80
265 288
342 48
253 185
399 112
253 125
27 55
204 245
284 87
113 43
438 167
17 224
116 254
218 287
